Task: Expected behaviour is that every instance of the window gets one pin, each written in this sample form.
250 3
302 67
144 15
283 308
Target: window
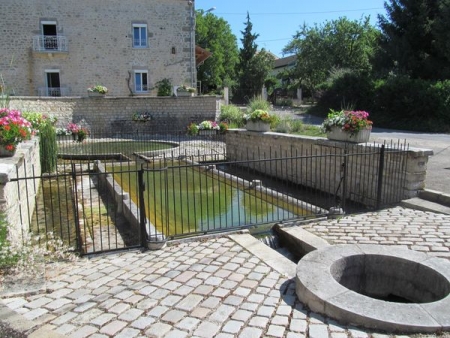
139 35
53 83
140 81
50 35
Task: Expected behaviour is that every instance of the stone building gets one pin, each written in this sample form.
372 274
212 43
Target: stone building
60 48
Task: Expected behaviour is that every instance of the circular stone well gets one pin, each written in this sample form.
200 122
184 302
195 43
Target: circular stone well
378 287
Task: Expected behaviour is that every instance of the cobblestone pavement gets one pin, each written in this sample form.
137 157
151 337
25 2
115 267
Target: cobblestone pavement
421 231
210 288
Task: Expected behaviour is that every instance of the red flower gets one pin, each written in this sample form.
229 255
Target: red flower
10 147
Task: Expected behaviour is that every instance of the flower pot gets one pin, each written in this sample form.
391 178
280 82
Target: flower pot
337 134
157 242
95 94
7 153
207 132
185 94
257 126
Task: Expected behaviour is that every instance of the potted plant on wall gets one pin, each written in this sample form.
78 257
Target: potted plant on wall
185 91
258 120
348 126
97 91
13 130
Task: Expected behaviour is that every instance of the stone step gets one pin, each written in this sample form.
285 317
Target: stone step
435 196
424 205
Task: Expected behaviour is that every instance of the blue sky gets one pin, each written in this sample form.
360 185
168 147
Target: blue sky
276 21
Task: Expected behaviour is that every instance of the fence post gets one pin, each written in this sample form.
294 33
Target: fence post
76 216
380 177
142 216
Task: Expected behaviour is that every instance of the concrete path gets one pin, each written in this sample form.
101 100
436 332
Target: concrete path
212 287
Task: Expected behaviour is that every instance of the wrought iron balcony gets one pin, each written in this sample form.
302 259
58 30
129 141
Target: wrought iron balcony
53 91
50 43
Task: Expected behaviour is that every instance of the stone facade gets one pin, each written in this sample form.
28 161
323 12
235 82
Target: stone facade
95 45
317 163
110 115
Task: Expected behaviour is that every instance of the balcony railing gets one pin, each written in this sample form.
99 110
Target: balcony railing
53 91
50 43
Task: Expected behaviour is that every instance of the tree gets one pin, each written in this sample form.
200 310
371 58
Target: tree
214 34
415 38
339 44
254 66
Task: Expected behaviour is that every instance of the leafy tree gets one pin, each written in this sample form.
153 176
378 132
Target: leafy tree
254 66
415 38
214 34
337 44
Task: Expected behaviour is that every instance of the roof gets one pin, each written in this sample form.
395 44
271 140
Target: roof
283 62
201 55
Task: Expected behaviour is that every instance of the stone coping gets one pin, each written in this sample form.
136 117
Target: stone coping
317 287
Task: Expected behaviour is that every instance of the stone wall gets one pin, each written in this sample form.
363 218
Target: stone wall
17 198
114 114
99 37
317 163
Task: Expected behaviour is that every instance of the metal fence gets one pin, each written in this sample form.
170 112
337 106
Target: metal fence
108 196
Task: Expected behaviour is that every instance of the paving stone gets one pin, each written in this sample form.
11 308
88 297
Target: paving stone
259 321
119 308
128 333
242 315
84 331
318 331
158 330
143 322
222 313
232 326
173 316
250 332
188 324
189 302
176 334
280 320
158 311
130 315
298 325
275 331
207 329
103 319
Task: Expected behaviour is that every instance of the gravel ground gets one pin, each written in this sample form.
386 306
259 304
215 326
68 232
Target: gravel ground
7 332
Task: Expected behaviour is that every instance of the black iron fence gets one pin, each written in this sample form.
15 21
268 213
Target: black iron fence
116 193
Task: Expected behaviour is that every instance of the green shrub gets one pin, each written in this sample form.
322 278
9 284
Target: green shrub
233 115
284 102
412 104
164 87
45 129
258 103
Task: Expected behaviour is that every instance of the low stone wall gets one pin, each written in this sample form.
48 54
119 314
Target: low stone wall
114 114
317 163
17 198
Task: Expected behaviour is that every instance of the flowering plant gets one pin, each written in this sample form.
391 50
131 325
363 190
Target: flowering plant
13 129
98 89
73 128
186 89
259 115
78 133
349 121
208 125
142 117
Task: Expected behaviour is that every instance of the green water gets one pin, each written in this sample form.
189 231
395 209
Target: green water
185 199
127 148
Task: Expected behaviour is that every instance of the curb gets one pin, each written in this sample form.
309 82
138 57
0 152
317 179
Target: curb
19 323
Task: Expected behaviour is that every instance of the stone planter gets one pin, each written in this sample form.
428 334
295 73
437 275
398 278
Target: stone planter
337 134
207 132
185 93
95 94
257 126
7 153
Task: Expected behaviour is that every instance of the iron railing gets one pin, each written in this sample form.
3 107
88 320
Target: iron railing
50 43
53 91
98 202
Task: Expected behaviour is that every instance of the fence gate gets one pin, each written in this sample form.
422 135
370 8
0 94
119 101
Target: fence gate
77 205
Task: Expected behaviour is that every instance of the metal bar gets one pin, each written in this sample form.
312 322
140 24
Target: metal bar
380 177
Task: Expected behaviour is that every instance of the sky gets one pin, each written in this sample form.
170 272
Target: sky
276 21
